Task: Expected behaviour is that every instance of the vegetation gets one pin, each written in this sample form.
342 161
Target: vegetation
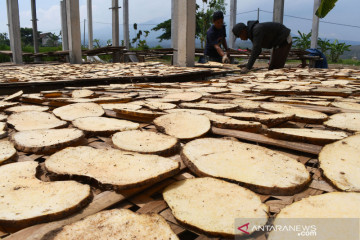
325 7
4 40
203 20
166 27
332 51
303 41
140 44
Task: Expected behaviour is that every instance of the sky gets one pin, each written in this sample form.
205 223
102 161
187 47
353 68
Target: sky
148 13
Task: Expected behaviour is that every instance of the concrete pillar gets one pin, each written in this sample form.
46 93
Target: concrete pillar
115 28
186 33
34 26
15 36
8 15
233 7
74 33
174 32
90 25
126 23
278 11
64 29
315 25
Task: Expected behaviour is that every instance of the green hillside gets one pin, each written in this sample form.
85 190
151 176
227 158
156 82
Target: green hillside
355 52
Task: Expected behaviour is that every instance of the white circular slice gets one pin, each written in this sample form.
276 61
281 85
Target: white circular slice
82 93
118 224
125 106
77 110
301 114
314 136
7 152
24 108
110 168
212 205
344 121
183 125
327 212
214 107
185 96
146 142
347 105
25 200
34 120
48 140
258 168
340 163
103 125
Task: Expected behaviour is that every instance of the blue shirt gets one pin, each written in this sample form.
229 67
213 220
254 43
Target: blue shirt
214 36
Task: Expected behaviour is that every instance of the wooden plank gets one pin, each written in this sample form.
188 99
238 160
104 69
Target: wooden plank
153 207
322 185
253 137
3 234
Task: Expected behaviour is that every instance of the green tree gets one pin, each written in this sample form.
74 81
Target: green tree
166 27
97 42
203 20
324 45
303 41
26 36
4 40
337 49
140 44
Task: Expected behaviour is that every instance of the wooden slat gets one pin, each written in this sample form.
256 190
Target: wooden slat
322 185
258 138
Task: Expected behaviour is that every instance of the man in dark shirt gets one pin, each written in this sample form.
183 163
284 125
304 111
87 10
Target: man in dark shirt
265 35
216 36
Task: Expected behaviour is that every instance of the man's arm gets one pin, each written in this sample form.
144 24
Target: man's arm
256 50
219 50
225 44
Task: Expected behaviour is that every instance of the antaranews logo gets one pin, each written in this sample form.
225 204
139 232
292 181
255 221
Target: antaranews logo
298 228
243 226
301 230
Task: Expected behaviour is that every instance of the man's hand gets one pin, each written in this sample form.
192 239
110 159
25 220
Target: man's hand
244 70
225 59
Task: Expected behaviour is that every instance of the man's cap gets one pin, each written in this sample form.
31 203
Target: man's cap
238 28
218 15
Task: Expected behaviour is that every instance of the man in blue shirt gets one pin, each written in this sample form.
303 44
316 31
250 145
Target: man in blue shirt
216 36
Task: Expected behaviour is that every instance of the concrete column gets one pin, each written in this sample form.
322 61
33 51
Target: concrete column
64 29
8 15
15 36
90 25
186 33
34 26
278 11
115 27
233 7
74 33
126 23
174 26
315 25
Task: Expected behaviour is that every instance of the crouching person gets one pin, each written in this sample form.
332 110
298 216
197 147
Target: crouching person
270 35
